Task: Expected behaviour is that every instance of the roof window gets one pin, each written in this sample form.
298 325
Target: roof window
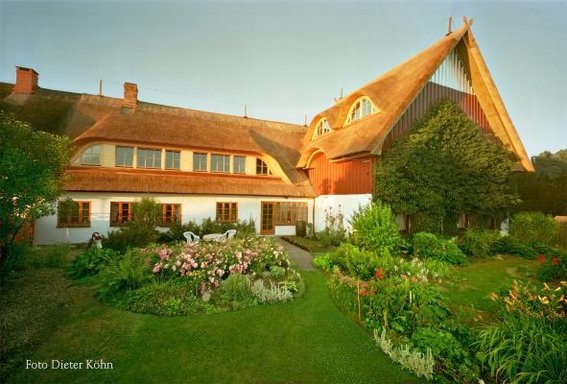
361 108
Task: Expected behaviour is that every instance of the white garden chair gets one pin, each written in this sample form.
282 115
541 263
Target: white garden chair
228 234
191 237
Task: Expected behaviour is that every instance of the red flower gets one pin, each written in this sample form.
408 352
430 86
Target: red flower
541 259
555 260
379 274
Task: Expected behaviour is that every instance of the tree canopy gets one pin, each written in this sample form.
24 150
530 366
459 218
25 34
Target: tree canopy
446 167
546 189
31 172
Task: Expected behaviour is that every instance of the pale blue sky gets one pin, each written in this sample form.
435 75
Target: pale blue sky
284 59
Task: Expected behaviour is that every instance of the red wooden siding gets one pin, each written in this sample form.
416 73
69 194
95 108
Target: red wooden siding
344 178
431 95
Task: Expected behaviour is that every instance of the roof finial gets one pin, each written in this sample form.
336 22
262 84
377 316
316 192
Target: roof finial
450 29
467 21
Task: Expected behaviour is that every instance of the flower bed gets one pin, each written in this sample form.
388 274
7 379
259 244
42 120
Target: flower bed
205 276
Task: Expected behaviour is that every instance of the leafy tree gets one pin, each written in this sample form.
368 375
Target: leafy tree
31 174
546 189
443 168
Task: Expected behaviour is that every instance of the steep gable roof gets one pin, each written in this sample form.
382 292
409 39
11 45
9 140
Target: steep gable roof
393 92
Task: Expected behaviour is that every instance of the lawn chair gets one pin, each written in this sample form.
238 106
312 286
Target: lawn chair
228 234
191 237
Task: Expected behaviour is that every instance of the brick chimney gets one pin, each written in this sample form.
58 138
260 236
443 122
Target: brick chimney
130 96
26 80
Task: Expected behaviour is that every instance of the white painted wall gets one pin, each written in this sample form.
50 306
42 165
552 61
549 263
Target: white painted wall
347 204
193 208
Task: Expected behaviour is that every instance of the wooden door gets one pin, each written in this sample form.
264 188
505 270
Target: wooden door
267 220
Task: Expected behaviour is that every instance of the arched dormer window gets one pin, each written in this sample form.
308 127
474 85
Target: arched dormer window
321 128
91 155
262 167
361 108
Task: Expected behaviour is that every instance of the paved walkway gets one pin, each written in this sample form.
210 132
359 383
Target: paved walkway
301 256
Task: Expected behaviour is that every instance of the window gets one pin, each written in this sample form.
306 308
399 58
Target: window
170 214
91 155
149 158
227 212
199 162
363 107
74 213
321 128
120 213
290 213
262 168
124 157
172 159
220 163
239 164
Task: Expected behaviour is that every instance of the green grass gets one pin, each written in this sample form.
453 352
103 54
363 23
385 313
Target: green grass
305 341
308 244
471 286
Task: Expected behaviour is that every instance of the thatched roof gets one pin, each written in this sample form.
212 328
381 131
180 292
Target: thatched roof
393 92
89 118
80 179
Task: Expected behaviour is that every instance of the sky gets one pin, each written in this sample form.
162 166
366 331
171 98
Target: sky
284 60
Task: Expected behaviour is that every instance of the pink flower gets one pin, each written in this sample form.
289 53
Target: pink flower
157 268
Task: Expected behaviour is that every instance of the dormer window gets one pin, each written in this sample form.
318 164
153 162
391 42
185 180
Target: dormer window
361 108
321 128
91 155
262 168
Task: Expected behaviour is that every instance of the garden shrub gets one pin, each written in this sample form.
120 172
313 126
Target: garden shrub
553 266
166 298
478 243
415 361
452 359
236 292
357 262
127 273
335 231
375 228
428 246
532 227
510 245
273 294
132 235
91 262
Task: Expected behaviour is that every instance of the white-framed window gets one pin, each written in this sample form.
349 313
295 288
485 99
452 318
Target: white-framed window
91 155
199 162
361 108
262 167
149 158
321 128
220 163
124 156
239 164
172 159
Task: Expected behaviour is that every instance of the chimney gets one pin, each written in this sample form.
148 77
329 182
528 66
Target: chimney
26 80
130 96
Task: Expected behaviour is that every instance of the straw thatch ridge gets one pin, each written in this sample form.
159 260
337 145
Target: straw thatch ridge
393 92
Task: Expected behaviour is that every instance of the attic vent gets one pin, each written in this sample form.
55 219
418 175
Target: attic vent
26 80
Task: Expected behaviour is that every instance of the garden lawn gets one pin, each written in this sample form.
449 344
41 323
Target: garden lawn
304 341
469 290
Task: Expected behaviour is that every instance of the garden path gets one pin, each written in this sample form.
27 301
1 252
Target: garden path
301 256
